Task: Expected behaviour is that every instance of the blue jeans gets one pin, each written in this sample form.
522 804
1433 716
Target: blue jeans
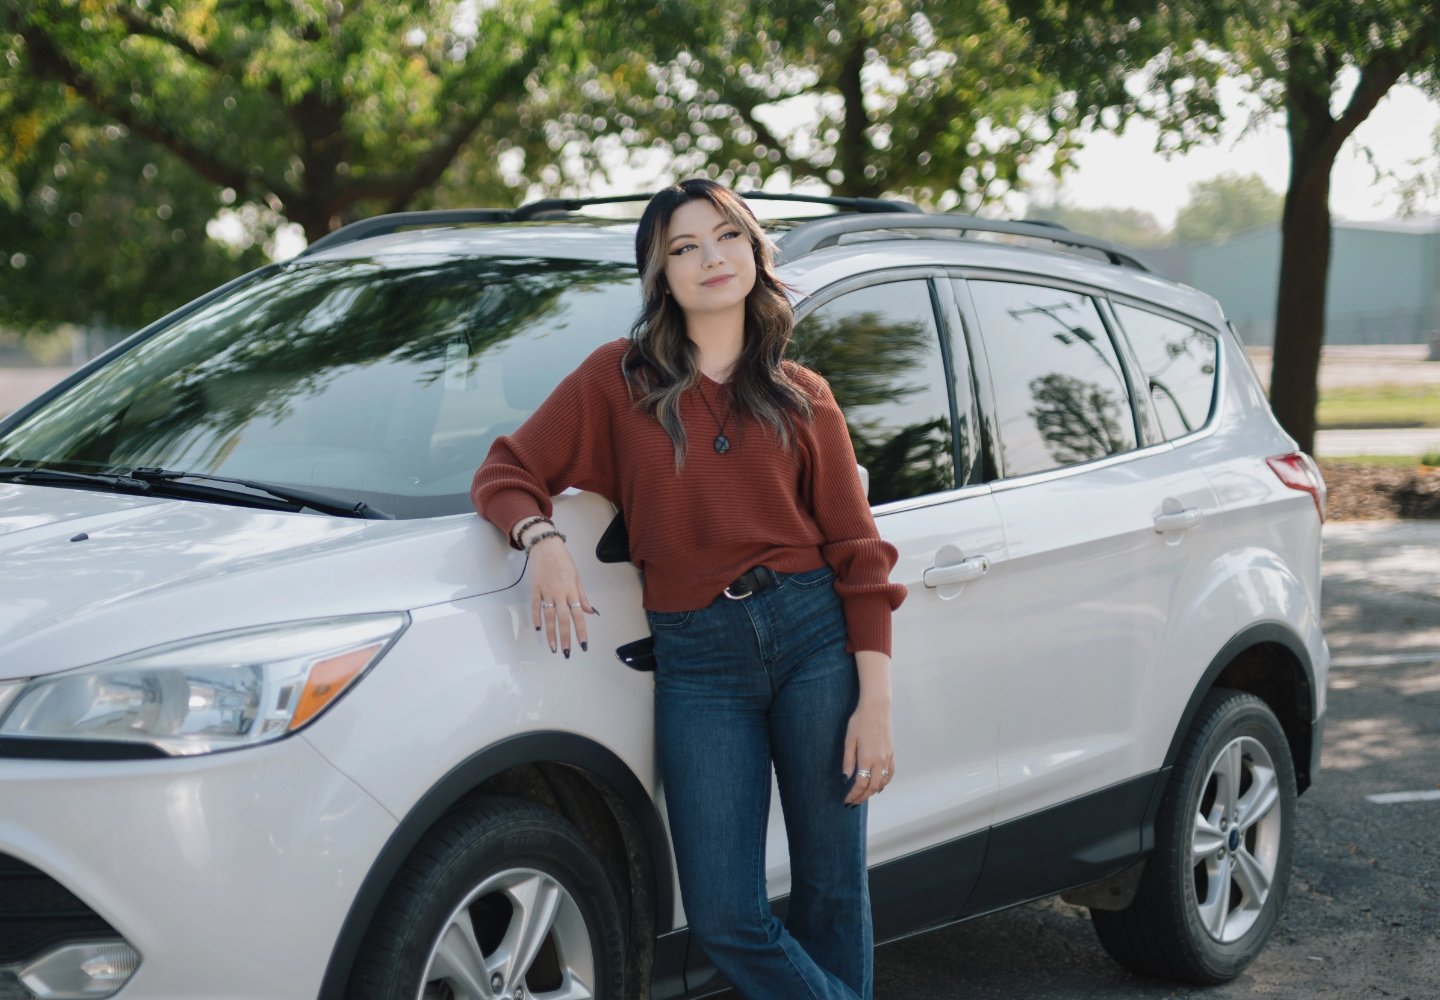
740 685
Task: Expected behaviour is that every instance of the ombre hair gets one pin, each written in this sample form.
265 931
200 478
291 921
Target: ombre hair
662 362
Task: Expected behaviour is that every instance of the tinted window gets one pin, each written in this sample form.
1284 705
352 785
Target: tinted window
1179 362
382 382
1059 395
879 348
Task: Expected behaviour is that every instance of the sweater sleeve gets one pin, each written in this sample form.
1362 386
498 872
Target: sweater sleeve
862 560
564 443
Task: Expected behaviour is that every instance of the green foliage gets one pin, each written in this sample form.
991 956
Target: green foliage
941 102
1131 227
1225 205
320 109
108 232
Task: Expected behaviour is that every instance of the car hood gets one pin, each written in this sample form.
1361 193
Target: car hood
89 576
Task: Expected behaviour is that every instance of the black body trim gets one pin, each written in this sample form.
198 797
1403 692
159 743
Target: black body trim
1084 840
48 748
530 748
37 913
1307 760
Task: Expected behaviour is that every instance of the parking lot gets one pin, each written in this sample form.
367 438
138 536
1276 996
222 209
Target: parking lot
1362 918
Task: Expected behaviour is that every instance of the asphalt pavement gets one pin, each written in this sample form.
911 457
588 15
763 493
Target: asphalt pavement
1361 920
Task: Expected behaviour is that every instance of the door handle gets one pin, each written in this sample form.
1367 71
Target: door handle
1180 520
961 572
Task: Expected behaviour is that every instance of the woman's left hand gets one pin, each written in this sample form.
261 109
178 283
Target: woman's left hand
869 747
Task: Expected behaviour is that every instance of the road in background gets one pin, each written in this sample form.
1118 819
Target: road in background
1363 917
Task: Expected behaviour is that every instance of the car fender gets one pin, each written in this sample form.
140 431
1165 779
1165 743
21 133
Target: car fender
529 748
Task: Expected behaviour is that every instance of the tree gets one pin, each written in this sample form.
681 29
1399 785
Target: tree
941 101
1298 58
1226 205
107 231
1383 44
318 108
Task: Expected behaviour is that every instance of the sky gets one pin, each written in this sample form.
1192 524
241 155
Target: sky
1124 171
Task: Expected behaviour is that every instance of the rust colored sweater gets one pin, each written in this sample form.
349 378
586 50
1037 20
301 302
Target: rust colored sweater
693 532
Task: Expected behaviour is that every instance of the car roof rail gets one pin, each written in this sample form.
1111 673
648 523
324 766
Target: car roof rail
546 206
380 225
815 234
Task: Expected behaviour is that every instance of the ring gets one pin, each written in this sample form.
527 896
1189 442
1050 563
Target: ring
863 773
884 772
547 604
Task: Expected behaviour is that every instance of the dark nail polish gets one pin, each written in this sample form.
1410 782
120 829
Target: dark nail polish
585 646
537 628
567 653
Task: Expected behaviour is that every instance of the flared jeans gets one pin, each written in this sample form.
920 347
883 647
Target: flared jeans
741 686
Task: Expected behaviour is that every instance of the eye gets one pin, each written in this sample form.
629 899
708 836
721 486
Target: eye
730 234
683 248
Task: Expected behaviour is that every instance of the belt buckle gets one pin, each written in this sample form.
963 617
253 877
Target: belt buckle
737 597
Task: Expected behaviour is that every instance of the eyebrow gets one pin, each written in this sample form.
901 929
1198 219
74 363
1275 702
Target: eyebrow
688 236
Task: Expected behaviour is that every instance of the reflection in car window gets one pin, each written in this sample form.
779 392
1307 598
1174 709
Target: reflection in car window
1059 395
1179 362
879 348
386 382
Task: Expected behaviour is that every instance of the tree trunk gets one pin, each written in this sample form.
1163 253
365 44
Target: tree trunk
1305 232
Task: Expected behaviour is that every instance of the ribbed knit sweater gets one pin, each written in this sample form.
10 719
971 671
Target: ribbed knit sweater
694 531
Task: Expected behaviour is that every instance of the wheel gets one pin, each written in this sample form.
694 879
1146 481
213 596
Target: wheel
1212 891
503 899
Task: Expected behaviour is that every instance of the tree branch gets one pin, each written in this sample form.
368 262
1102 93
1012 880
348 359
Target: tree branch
142 25
48 61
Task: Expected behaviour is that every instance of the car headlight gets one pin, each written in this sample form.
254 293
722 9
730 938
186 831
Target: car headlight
216 692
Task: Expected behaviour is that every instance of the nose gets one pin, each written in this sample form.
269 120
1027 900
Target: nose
712 253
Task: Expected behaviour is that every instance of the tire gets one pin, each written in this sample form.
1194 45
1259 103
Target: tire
1212 891
499 895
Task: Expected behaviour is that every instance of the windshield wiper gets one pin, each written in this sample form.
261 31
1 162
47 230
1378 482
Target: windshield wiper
166 478
162 482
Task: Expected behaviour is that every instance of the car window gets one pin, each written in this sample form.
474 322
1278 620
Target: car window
1178 361
386 382
879 348
1060 397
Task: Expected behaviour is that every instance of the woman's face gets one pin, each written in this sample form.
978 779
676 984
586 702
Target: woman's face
709 263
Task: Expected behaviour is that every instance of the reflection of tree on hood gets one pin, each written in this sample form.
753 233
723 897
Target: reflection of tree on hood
1078 420
259 351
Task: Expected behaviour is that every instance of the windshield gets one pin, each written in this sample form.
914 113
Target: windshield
365 379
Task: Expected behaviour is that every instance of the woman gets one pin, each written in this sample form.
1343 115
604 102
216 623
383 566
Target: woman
765 587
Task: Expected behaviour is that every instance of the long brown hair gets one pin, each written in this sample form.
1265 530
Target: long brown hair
662 362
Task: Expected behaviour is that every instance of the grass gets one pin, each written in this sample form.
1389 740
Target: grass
1380 406
1389 461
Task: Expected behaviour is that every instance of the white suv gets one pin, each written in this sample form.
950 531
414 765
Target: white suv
274 722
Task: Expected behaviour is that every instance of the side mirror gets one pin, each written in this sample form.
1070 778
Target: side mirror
864 479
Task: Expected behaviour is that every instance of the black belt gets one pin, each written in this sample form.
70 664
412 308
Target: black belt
752 581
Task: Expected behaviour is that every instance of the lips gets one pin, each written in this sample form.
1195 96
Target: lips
717 281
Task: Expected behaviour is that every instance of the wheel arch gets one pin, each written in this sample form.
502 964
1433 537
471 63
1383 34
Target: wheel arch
1270 661
579 778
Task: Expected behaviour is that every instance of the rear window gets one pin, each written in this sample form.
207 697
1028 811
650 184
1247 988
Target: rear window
1178 361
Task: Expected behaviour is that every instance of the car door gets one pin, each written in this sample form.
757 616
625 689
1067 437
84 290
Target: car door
890 346
1103 524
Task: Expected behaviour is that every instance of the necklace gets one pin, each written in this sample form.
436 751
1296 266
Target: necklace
722 443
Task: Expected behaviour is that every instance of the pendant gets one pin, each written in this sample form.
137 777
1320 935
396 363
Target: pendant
722 443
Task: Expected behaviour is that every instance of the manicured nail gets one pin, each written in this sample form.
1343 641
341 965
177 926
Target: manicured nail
537 628
585 646
567 652
552 648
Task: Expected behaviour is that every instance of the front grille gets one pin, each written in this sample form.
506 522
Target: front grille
36 913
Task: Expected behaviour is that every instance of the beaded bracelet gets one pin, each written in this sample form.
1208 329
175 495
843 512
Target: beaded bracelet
530 522
552 533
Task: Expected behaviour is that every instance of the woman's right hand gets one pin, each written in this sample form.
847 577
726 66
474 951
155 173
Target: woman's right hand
557 597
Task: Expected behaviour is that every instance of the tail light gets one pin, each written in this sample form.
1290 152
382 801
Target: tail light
1298 471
